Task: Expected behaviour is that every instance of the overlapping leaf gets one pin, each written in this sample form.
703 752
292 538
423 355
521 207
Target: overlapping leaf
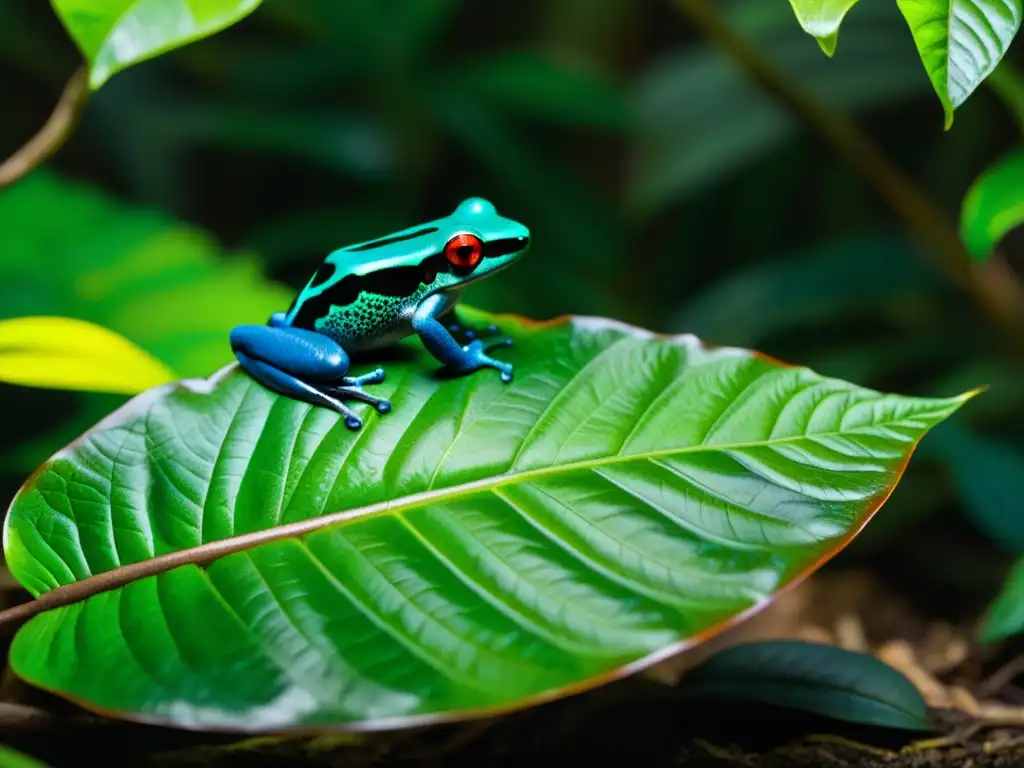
481 547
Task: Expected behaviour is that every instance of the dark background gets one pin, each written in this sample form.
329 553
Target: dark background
663 188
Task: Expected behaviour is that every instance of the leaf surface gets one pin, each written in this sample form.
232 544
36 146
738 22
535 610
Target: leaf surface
115 34
482 547
821 19
960 42
821 679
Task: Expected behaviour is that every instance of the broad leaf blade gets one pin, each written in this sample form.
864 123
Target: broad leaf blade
481 547
993 206
115 34
821 19
821 679
64 353
10 758
960 42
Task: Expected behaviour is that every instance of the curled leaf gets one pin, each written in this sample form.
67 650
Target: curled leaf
993 206
821 19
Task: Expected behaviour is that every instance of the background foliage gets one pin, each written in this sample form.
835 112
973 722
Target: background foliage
663 186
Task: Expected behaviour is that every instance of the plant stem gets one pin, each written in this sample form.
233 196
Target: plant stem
54 133
1008 84
1003 302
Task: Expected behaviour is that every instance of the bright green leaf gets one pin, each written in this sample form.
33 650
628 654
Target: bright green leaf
10 758
821 19
993 206
115 34
960 42
64 353
481 547
1005 617
821 679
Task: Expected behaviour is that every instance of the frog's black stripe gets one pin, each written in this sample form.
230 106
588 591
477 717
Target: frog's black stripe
396 281
504 246
325 273
389 240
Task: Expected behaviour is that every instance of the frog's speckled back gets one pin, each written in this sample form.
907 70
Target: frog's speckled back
363 295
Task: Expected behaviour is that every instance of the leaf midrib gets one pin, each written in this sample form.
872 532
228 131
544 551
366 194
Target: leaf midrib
210 551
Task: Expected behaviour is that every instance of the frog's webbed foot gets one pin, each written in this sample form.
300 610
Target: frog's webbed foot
490 333
478 356
352 389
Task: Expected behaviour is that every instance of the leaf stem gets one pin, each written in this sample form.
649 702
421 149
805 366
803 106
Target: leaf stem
1003 301
1008 84
54 133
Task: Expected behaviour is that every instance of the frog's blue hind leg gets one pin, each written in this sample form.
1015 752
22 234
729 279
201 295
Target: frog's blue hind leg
306 366
439 342
464 333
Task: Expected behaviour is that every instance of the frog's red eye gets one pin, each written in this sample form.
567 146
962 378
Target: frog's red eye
464 251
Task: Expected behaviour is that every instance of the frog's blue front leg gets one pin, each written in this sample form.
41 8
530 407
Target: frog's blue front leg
304 365
439 342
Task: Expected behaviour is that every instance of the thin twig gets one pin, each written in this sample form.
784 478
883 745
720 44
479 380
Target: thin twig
928 223
54 133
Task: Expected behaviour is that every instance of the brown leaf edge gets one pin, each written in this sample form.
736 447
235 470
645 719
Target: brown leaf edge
12 618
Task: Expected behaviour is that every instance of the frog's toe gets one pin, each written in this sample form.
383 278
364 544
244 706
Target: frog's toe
353 422
384 406
373 377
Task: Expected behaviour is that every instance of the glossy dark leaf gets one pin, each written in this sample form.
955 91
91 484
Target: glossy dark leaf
821 679
482 547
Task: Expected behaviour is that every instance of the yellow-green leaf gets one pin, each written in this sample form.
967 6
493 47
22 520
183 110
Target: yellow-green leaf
115 34
821 19
64 353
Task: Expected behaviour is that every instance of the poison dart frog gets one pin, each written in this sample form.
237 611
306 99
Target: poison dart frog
369 295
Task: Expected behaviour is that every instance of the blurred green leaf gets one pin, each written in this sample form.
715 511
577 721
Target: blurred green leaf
700 119
989 477
115 34
544 88
993 206
960 42
820 282
71 251
821 19
10 758
64 353
821 679
1005 617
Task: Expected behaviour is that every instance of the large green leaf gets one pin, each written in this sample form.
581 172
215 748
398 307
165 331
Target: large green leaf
960 42
821 19
993 206
114 34
71 251
822 679
481 547
10 758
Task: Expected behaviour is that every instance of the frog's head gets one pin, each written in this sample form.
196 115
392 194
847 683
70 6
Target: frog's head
478 242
